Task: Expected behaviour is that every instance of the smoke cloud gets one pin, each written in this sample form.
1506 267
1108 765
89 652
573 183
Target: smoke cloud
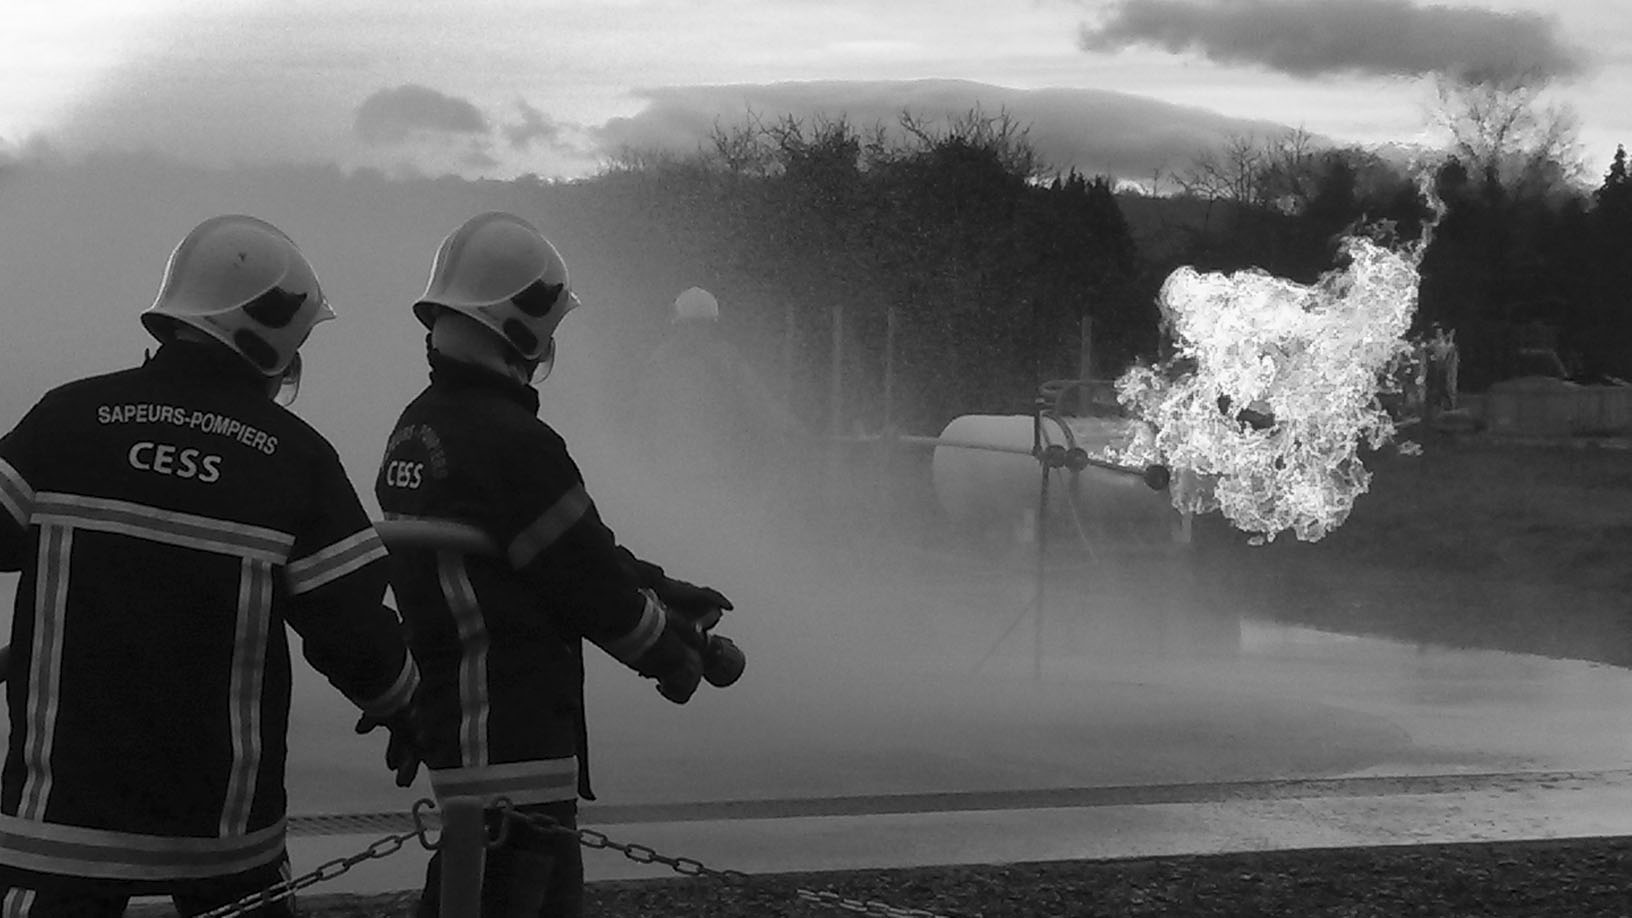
1312 38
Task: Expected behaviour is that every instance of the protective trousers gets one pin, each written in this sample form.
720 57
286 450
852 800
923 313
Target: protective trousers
533 873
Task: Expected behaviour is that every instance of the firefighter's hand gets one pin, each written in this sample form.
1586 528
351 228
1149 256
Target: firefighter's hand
402 750
675 657
679 681
701 604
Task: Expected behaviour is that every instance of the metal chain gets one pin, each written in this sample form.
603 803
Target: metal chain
328 870
638 853
589 838
863 906
691 867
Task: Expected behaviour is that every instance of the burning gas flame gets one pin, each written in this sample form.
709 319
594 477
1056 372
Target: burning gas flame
1274 385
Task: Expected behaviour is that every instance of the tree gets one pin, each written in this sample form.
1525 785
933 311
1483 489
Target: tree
1502 127
1613 199
948 226
1494 270
1606 325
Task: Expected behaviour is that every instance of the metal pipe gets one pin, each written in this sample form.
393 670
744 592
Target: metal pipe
1149 473
1041 575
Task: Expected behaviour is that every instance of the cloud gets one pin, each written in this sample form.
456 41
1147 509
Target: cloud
477 157
1094 131
534 125
397 114
1310 38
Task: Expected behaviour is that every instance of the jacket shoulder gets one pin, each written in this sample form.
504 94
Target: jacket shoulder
90 387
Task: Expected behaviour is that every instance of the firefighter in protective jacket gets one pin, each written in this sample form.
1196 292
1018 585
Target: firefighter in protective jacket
503 566
168 521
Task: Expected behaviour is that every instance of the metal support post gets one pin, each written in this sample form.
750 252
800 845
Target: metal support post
1042 570
464 856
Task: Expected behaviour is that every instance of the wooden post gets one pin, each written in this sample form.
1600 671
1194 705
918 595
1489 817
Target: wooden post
835 406
1085 354
835 392
883 463
789 350
889 370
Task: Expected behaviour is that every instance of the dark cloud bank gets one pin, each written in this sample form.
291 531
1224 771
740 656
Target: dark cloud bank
396 114
1312 38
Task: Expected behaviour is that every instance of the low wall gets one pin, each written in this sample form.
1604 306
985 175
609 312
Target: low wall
1553 408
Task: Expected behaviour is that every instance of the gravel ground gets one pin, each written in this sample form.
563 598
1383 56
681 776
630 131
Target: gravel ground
1556 879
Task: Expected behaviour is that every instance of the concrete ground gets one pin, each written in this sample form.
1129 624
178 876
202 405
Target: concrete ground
911 707
1286 738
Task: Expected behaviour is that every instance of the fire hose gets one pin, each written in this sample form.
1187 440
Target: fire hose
723 662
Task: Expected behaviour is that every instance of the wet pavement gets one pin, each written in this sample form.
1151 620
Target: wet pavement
1287 738
919 710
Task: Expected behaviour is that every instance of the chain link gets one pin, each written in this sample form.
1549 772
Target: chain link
640 854
691 867
863 906
589 838
328 870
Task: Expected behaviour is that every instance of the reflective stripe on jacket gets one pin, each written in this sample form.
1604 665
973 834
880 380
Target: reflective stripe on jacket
167 522
504 568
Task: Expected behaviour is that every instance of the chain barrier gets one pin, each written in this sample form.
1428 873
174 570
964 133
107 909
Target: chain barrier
589 838
328 870
691 867
862 906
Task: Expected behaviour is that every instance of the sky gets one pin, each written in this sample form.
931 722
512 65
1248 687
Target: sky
500 88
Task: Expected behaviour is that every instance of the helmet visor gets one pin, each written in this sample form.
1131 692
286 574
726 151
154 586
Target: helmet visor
545 363
288 384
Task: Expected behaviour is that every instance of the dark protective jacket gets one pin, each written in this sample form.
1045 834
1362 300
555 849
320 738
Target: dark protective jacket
167 522
499 637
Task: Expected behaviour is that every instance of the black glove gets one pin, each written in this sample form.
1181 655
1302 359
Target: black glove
675 658
402 750
702 605
679 682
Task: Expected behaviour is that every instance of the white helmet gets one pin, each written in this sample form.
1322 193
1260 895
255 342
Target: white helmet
241 281
696 304
500 270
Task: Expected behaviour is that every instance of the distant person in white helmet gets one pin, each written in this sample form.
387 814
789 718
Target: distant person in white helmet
504 568
168 521
707 417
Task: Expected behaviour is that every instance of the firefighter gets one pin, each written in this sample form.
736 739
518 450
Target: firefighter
168 520
707 421
503 567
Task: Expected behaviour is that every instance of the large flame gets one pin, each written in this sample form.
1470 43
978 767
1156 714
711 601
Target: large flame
1274 385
